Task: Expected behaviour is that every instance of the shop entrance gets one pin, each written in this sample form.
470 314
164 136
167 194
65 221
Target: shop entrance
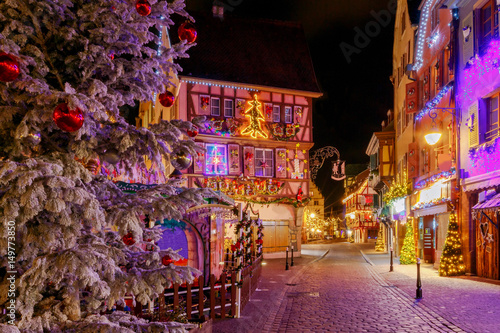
429 239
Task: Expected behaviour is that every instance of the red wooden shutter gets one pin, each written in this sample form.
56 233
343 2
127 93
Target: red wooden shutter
234 159
412 97
199 160
427 85
412 160
249 161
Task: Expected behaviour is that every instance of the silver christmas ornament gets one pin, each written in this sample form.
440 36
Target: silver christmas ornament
111 156
181 160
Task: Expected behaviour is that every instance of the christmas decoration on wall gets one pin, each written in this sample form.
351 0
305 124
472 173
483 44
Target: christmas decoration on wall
240 105
244 243
283 132
480 69
431 105
299 111
224 127
255 116
242 187
181 160
268 108
408 251
484 158
187 32
248 161
234 159
143 7
69 120
166 99
397 190
9 67
204 102
442 176
296 174
216 160
299 195
452 261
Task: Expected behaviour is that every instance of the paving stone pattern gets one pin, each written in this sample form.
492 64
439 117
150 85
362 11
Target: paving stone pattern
350 289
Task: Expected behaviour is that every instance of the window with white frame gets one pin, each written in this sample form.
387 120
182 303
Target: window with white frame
264 165
276 113
215 106
228 108
216 159
288 114
492 117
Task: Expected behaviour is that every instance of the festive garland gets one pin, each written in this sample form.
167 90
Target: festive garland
224 127
434 202
485 156
243 246
242 187
286 201
396 191
445 175
283 132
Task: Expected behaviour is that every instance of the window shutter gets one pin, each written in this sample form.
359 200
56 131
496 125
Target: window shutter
269 160
249 161
199 160
468 44
281 163
234 160
427 85
412 160
474 125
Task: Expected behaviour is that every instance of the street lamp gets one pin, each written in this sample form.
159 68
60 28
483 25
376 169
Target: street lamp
434 135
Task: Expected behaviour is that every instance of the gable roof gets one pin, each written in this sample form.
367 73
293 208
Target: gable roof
259 52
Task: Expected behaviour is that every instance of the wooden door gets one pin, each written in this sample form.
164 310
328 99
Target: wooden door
276 236
487 246
429 239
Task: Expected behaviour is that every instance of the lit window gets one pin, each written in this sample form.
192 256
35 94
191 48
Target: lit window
288 114
492 118
228 108
264 162
216 162
488 27
215 106
276 113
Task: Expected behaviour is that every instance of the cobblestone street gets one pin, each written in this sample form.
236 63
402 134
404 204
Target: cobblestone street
343 287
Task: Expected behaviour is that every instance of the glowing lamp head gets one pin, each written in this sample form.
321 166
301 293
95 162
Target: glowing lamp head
433 137
313 215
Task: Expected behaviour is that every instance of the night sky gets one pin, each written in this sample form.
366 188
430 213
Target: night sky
357 94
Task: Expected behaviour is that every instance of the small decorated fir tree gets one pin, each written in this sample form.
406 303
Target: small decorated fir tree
379 244
408 253
452 261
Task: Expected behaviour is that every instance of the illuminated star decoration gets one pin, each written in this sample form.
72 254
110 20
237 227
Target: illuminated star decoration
254 113
263 164
280 168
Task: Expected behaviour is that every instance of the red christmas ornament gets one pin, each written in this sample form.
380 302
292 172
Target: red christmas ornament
128 239
143 7
238 245
9 67
167 99
66 119
193 133
166 260
233 248
187 31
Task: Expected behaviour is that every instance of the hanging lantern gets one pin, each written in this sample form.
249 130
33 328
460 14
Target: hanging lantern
143 7
166 260
66 119
9 67
181 160
187 31
128 239
167 99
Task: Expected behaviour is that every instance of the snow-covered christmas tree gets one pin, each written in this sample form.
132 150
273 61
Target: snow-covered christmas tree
66 69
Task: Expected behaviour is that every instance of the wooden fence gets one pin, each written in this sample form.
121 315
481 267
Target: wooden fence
223 298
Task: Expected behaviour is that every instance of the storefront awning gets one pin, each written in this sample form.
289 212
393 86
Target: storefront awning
481 182
490 203
438 209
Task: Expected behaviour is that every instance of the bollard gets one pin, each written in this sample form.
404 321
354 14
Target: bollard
291 263
391 269
286 265
419 282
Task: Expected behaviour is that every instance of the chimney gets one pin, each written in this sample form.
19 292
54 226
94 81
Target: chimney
389 116
218 11
383 124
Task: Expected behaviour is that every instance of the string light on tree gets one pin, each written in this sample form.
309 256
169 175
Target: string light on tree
408 252
452 261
